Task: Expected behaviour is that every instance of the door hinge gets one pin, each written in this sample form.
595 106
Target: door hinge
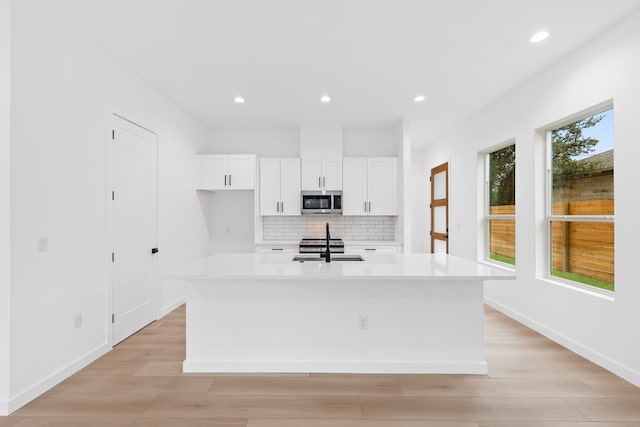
429 205
113 318
430 233
113 134
113 257
429 178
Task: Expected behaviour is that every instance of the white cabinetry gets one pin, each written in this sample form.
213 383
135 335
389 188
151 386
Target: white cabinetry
369 249
226 171
276 249
280 186
370 186
321 174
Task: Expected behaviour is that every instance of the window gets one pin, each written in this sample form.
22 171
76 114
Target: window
500 205
580 209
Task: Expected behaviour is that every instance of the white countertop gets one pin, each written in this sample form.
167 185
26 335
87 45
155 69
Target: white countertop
375 266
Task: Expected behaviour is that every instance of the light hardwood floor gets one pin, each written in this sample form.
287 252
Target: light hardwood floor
532 382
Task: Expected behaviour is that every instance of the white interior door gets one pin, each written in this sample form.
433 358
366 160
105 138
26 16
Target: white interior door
134 227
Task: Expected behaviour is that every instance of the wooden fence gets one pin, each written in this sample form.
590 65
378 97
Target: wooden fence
503 232
584 248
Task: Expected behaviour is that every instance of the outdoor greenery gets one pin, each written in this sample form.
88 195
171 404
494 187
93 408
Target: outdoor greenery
567 144
583 279
502 176
507 260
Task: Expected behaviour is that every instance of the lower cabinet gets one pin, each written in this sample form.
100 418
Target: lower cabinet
276 249
368 249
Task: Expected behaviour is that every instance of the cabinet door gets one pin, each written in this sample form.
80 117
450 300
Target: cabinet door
269 186
354 186
332 174
213 172
382 188
311 174
242 169
290 186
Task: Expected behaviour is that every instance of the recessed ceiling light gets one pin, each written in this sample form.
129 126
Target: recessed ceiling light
420 98
538 37
325 99
238 100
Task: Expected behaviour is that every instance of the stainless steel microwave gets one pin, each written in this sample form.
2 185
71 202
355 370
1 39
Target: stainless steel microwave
321 202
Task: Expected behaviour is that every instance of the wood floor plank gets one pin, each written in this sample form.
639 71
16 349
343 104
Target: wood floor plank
327 385
355 423
488 387
609 409
203 406
555 424
469 408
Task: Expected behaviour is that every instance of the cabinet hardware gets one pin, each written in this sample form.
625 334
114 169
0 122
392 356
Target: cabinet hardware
229 180
319 182
282 207
225 180
277 206
369 207
324 183
365 206
276 249
154 250
370 249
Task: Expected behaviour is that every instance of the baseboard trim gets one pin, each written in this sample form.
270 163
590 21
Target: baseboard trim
334 366
4 408
36 390
171 306
599 359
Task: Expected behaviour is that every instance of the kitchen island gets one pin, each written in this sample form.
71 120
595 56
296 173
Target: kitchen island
392 313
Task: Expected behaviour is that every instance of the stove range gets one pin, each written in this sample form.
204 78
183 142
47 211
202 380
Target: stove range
314 246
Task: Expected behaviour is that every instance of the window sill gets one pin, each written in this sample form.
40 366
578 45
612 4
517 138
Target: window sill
500 265
605 295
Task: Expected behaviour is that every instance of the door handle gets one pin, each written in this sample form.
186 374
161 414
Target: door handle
154 250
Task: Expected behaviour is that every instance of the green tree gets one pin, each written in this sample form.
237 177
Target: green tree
567 143
502 176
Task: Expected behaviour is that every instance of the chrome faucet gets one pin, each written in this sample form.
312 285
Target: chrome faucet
327 256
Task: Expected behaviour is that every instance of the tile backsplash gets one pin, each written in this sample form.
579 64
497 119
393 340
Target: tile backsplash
346 227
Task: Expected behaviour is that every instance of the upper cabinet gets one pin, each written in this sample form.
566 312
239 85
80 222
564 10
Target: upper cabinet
280 186
226 171
370 186
321 174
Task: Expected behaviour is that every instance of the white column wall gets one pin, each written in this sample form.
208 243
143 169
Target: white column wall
607 332
5 192
64 88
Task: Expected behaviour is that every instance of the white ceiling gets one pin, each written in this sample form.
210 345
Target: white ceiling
371 56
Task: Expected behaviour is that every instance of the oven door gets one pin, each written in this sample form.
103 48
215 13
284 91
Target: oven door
313 202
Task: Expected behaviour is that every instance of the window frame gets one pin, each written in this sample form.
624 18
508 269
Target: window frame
488 217
550 218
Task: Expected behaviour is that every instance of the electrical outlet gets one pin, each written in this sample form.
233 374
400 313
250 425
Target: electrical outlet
77 321
43 244
363 321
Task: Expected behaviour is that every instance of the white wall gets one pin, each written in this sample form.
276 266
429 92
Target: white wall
420 190
5 219
605 331
369 143
63 89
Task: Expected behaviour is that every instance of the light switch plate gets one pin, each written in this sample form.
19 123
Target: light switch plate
43 244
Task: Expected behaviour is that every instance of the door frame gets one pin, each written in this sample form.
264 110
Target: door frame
432 204
115 113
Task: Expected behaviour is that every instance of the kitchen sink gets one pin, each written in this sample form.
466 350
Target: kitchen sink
303 258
